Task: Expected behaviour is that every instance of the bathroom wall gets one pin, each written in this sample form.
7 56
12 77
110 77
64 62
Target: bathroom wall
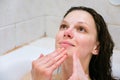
109 11
22 21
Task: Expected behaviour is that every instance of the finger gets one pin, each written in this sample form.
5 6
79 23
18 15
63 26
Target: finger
57 52
59 62
56 59
78 71
50 56
59 59
36 62
41 55
77 66
44 60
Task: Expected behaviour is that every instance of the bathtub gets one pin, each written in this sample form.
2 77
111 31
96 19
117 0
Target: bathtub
15 65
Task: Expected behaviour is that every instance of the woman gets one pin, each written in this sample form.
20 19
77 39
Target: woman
83 49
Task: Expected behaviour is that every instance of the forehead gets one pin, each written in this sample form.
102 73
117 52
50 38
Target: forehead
80 16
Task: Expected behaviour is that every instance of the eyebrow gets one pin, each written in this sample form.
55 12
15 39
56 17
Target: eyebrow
80 22
63 21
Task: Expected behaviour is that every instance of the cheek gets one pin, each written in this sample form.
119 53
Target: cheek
57 38
85 45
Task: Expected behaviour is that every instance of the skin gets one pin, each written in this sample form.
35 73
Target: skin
76 42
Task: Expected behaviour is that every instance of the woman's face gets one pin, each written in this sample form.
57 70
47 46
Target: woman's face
77 33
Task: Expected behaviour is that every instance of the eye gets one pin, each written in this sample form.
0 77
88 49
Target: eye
81 29
63 27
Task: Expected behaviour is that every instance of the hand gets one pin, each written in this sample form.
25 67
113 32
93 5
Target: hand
43 67
78 72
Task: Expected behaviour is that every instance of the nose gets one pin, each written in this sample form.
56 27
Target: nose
68 33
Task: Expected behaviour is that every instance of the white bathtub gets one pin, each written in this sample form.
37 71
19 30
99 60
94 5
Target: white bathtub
16 64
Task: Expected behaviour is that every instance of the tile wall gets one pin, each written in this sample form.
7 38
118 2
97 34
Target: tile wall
22 21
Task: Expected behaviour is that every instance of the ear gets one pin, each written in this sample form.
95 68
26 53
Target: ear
96 49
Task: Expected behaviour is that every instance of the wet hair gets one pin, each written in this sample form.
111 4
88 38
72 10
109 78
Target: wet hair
100 65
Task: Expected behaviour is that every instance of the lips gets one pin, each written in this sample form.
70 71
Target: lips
66 44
